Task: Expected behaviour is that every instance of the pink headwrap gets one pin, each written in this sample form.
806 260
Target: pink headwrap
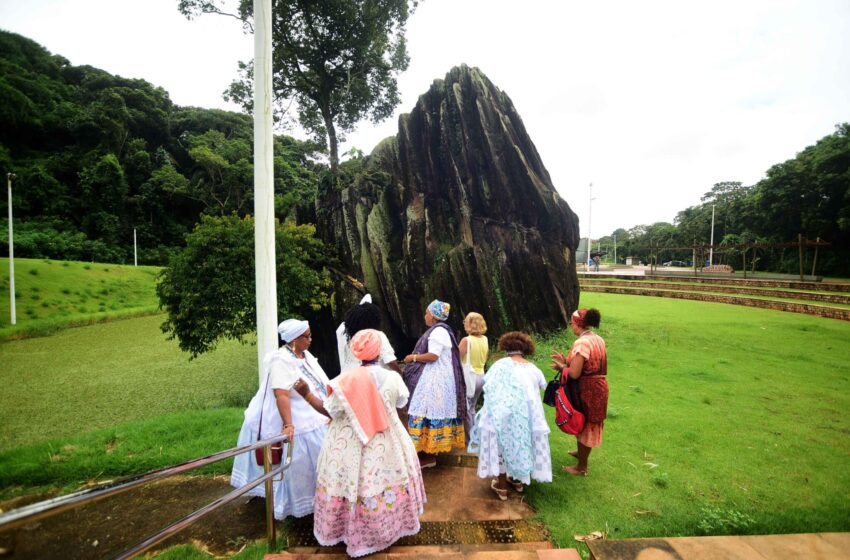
366 344
359 392
578 318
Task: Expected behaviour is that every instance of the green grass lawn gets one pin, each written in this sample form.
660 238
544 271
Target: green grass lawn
722 419
51 295
105 375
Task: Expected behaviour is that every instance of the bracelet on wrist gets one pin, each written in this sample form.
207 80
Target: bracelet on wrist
414 358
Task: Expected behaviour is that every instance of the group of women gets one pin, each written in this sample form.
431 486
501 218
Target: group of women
357 466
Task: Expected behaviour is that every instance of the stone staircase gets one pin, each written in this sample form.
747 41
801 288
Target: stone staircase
831 300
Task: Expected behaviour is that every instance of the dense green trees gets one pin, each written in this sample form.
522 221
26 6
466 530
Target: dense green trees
98 155
808 195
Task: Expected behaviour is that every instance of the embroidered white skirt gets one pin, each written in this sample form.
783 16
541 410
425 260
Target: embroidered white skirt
294 495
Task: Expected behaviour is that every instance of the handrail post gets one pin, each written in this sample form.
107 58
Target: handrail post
270 531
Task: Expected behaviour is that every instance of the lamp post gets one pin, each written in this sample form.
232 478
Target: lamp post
711 248
615 249
12 317
589 213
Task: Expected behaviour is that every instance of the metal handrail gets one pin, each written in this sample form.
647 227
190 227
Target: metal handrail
48 508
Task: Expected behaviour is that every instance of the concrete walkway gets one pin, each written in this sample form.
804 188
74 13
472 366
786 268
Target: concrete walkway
811 546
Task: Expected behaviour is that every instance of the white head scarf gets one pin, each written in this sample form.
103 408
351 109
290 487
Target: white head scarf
291 329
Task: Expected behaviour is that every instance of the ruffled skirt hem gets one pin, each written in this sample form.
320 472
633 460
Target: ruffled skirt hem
372 523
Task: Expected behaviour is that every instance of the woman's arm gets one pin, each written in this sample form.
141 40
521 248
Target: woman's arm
284 408
463 346
303 389
576 366
425 358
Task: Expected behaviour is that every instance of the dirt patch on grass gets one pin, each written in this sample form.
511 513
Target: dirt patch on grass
104 529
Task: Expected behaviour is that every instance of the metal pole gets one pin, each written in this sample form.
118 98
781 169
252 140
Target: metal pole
711 248
264 225
267 467
135 250
815 261
615 250
589 208
800 245
13 319
694 257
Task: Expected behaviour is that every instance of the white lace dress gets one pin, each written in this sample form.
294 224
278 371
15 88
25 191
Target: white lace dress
369 495
490 454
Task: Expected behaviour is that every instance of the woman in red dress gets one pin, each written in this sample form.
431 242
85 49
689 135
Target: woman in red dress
588 363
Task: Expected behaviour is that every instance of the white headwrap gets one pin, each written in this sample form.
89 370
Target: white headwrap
366 299
291 329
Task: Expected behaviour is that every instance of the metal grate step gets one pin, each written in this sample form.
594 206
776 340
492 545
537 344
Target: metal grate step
300 533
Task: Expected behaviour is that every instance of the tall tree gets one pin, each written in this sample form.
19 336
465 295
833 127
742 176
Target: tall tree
336 61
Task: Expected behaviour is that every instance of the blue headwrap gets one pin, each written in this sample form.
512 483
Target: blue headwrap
439 309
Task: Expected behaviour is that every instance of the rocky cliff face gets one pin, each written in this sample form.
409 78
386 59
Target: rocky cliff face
458 206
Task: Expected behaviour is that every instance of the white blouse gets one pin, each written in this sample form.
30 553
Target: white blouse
285 371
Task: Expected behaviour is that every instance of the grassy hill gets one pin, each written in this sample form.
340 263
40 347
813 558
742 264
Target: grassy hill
52 295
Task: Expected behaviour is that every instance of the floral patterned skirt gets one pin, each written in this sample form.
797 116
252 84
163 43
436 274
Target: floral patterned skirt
436 436
371 524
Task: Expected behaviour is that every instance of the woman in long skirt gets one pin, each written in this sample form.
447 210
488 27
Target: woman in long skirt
277 409
434 376
369 491
511 435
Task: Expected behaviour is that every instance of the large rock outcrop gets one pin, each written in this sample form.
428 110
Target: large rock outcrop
458 206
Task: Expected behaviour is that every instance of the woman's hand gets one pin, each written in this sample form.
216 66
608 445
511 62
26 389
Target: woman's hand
289 431
301 388
559 361
408 359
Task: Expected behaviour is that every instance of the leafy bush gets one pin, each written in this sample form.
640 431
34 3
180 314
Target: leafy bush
208 289
717 521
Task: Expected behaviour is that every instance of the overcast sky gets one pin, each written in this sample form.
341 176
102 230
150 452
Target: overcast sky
653 102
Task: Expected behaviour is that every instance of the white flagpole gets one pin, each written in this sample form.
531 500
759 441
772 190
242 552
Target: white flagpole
12 316
264 232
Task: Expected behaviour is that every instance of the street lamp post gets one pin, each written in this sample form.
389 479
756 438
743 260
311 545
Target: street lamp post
589 209
711 248
615 249
13 318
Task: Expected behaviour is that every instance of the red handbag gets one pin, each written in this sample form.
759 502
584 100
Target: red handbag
568 419
277 454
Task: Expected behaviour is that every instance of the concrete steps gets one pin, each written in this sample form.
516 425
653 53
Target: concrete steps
457 552
463 520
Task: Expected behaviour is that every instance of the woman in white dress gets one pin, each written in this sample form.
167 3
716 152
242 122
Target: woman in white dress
434 376
369 491
277 409
365 315
511 435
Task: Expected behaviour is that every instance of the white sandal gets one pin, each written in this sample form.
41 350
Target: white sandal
503 494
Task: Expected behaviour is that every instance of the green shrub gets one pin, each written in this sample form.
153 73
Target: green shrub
718 521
